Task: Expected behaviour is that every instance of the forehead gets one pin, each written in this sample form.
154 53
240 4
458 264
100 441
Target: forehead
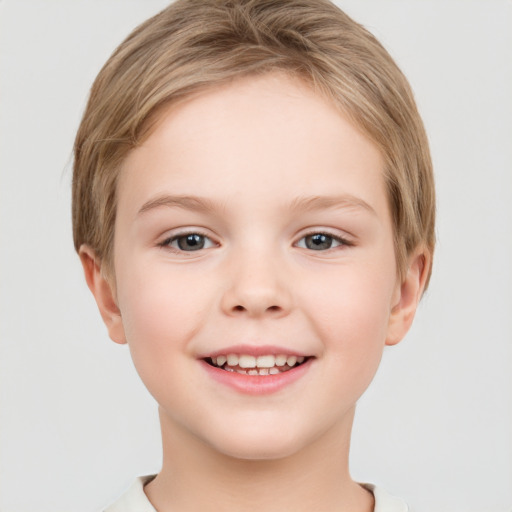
252 140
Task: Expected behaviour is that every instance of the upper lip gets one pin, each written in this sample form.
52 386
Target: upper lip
254 350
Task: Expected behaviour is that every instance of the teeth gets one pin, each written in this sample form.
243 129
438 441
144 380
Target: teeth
232 359
254 371
247 362
290 361
280 360
261 365
265 361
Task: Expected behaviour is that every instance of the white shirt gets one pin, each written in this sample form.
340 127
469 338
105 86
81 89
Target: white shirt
135 500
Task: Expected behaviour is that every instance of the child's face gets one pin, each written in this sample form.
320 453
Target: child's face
254 221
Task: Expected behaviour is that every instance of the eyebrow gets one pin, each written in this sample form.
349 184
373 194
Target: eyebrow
199 204
313 203
306 203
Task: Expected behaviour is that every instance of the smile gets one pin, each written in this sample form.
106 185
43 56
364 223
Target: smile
246 364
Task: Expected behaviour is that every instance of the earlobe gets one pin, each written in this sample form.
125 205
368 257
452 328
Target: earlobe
103 293
408 296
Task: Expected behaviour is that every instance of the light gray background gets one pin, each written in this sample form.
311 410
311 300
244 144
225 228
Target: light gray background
435 426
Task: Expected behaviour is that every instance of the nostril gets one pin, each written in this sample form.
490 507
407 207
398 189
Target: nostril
270 308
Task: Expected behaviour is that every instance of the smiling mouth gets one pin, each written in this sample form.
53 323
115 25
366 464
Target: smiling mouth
256 365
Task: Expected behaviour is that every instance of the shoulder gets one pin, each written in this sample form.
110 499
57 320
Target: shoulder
385 502
134 499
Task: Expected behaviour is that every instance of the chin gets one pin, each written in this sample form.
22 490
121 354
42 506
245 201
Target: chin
258 453
258 444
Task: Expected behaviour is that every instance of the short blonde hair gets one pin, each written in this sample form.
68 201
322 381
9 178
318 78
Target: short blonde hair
195 44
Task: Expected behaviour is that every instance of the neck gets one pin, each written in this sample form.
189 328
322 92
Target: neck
316 477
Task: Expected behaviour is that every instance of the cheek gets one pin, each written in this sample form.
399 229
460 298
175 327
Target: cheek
161 313
352 320
354 301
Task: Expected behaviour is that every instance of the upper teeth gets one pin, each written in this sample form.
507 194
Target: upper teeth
248 361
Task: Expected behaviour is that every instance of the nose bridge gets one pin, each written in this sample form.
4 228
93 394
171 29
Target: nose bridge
256 285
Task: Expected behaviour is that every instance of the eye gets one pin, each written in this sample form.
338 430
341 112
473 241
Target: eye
188 242
321 242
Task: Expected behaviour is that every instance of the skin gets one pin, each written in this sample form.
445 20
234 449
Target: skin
271 163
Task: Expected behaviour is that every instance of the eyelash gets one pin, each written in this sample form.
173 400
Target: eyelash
342 241
167 243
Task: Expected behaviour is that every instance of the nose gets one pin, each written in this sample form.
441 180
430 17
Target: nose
257 287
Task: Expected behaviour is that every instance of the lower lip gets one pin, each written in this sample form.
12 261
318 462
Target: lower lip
257 384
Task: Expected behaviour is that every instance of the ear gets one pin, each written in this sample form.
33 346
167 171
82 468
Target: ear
408 295
103 293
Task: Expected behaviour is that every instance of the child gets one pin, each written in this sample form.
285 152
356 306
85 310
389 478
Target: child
253 206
